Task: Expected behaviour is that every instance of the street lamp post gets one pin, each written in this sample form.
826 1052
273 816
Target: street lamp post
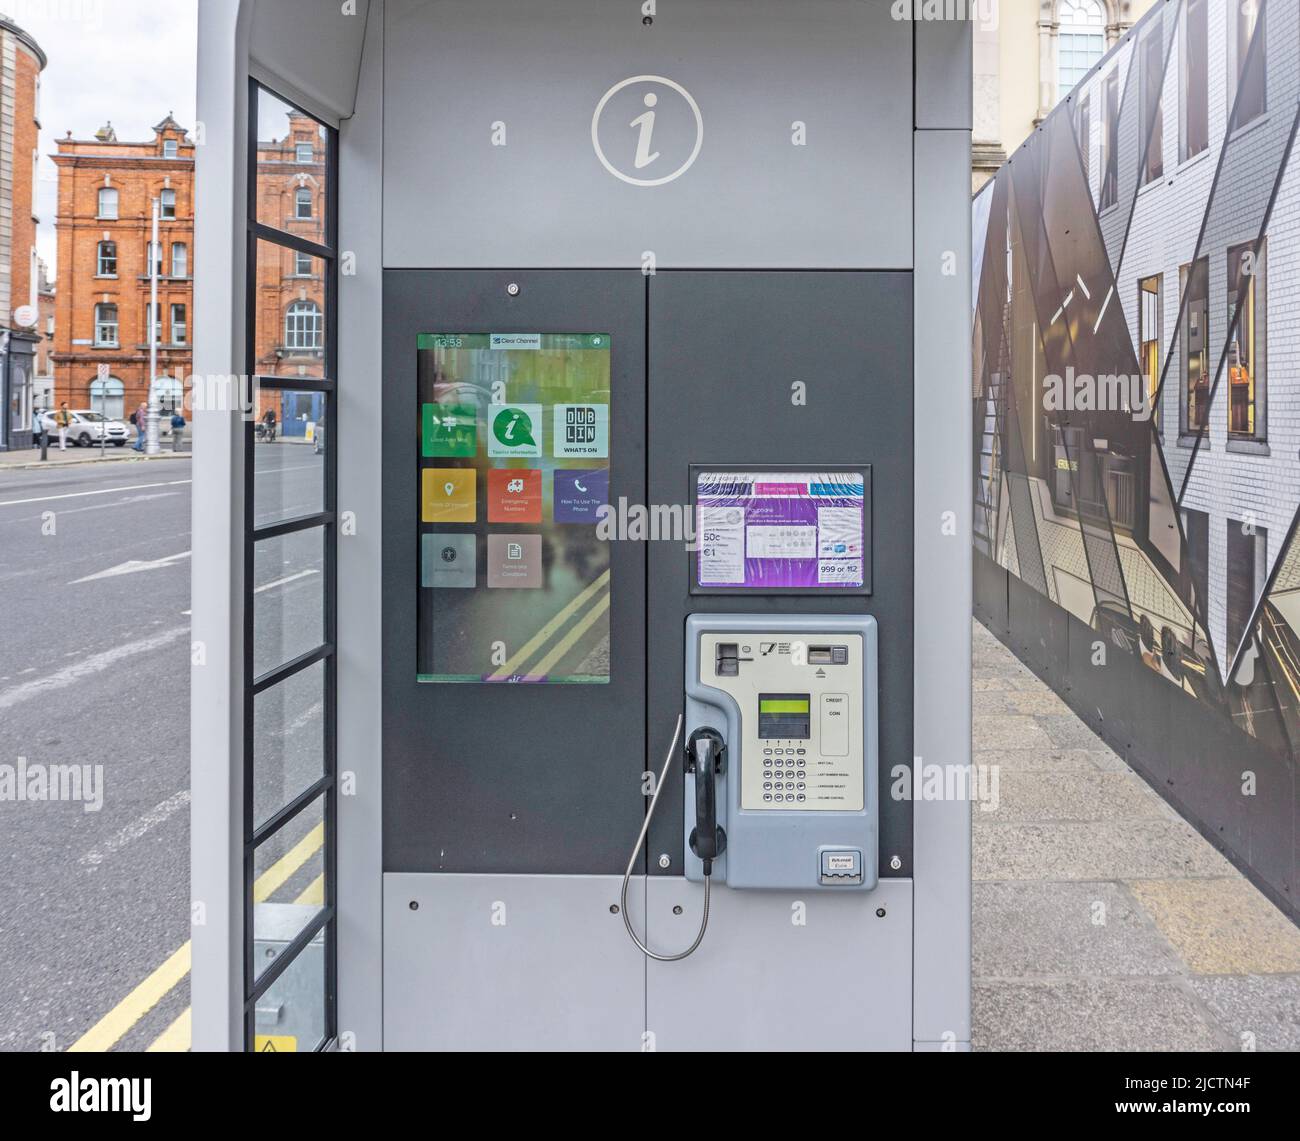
102 376
151 443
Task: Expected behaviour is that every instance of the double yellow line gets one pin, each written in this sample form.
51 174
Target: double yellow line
110 1029
597 591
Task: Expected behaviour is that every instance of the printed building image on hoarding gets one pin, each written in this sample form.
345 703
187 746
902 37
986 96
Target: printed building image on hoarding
1137 389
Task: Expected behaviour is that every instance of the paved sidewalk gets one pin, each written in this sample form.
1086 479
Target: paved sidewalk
1102 920
31 458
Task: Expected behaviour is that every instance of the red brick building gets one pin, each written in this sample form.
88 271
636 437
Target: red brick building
45 296
106 192
290 285
21 64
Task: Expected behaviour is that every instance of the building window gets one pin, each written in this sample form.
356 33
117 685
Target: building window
1246 287
153 259
1149 289
106 260
180 259
1153 114
1081 42
170 149
303 326
305 152
1110 142
1247 571
170 394
1197 526
105 325
1194 68
180 329
1194 406
1085 138
302 264
107 397
302 204
108 200
153 313
167 202
1251 71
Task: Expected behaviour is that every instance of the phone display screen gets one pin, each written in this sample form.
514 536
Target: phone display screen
514 455
784 716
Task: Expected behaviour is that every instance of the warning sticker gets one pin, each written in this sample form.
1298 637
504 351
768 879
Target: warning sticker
275 1044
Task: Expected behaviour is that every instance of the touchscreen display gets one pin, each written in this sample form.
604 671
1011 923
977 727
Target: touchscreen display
514 454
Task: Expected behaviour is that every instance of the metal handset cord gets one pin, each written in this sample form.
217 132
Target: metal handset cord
627 875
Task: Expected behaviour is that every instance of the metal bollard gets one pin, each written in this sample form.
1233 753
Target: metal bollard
45 446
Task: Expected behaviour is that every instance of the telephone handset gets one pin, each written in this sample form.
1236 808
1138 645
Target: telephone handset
705 755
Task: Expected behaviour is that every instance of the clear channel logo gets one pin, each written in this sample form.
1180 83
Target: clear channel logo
647 130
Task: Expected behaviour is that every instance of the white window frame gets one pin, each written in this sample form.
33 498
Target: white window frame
304 326
102 258
109 194
103 325
183 325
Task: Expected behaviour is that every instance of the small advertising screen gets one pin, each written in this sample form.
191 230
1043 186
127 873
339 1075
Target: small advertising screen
514 467
781 530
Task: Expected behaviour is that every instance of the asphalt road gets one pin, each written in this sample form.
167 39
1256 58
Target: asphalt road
94 670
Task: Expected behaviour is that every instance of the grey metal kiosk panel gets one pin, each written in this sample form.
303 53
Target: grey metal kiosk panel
726 351
496 778
804 134
794 971
510 963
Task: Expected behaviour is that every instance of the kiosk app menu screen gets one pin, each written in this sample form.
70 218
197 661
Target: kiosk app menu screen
514 467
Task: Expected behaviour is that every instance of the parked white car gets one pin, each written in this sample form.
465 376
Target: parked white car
87 427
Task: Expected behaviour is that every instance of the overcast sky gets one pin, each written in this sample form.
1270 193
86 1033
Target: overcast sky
130 61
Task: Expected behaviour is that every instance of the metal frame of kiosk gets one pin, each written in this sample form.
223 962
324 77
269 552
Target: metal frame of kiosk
773 282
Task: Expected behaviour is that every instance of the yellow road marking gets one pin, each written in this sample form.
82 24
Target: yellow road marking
567 643
544 635
314 892
275 876
109 1029
175 1039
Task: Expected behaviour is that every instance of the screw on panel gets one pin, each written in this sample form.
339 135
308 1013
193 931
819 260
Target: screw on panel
880 913
665 861
677 910
895 863
613 909
414 905
513 289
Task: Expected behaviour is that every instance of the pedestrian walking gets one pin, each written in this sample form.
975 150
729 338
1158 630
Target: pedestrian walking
178 430
140 418
63 421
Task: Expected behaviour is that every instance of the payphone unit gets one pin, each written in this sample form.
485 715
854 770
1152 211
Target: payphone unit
793 699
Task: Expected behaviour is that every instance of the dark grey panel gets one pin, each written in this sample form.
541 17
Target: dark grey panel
725 349
754 68
511 778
